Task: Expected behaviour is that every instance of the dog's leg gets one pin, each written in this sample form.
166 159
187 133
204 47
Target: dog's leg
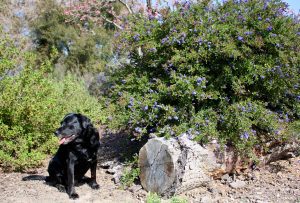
93 182
70 185
55 177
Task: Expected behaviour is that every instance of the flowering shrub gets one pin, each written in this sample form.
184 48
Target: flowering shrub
226 70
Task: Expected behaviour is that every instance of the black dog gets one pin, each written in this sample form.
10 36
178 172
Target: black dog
77 153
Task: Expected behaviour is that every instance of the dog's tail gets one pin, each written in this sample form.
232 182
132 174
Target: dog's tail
34 177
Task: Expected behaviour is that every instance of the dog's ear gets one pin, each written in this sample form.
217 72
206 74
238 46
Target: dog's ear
69 114
86 122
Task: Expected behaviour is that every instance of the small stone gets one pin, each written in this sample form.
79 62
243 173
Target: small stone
256 175
115 169
238 184
116 178
206 199
241 177
152 135
107 164
226 179
135 188
211 190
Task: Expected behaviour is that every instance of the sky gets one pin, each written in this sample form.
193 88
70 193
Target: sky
294 5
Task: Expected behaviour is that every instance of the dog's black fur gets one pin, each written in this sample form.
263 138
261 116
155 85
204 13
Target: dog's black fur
77 153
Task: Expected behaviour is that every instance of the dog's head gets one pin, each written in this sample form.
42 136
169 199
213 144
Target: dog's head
72 126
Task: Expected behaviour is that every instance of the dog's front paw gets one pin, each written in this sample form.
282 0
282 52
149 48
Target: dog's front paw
60 187
74 195
94 186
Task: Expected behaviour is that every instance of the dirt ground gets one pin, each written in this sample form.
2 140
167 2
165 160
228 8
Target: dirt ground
279 182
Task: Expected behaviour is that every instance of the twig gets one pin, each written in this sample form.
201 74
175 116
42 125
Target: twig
127 6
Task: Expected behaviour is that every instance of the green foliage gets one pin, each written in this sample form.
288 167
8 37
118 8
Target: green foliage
176 199
153 198
83 47
32 103
294 129
129 176
131 173
225 70
9 55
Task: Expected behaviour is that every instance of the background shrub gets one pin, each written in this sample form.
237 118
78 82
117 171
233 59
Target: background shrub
83 47
32 104
225 70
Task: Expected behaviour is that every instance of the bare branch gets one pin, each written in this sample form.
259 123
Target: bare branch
127 6
149 6
110 21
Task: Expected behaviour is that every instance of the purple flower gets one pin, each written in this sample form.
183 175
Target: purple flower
240 38
190 136
151 17
287 118
187 5
117 34
248 33
175 118
259 18
243 109
273 35
131 102
164 40
200 41
136 37
123 81
153 49
241 17
182 40
194 93
152 130
145 108
270 28
138 130
280 11
199 80
245 135
148 31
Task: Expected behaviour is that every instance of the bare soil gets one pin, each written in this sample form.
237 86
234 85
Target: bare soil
278 182
14 189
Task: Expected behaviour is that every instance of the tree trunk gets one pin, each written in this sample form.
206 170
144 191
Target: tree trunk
176 165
